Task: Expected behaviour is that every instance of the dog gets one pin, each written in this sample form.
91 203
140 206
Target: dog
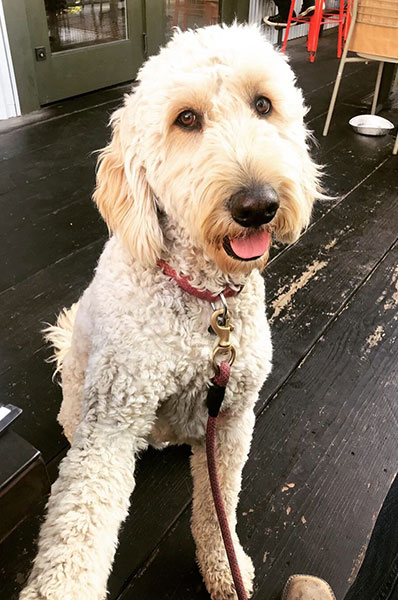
208 161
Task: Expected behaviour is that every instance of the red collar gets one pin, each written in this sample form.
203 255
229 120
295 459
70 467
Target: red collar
184 284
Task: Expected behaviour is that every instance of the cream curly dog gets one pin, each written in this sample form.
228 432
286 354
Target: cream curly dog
207 161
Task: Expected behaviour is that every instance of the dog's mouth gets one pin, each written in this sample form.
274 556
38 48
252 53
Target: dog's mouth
250 247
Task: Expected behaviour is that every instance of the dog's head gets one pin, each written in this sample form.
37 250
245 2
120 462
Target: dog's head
214 137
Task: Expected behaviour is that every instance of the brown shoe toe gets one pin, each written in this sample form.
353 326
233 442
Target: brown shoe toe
307 587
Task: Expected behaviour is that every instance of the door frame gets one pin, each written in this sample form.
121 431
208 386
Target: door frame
22 55
22 51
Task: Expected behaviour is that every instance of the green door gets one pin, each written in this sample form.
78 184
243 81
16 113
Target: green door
84 45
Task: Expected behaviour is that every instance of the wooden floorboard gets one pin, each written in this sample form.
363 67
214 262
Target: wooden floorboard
48 239
319 289
25 377
59 110
308 284
34 142
38 299
48 194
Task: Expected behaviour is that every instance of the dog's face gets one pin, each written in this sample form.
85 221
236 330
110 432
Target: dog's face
214 137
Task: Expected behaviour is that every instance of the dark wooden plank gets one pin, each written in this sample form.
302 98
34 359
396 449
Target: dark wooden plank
58 150
16 553
172 571
37 300
48 239
339 151
317 79
322 459
355 87
332 431
162 477
30 385
66 107
378 573
24 375
308 284
73 130
386 86
323 70
356 83
52 191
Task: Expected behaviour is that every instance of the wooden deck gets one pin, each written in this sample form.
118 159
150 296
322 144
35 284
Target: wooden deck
324 452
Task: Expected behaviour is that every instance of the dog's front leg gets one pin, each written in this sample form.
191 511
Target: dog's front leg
88 502
233 444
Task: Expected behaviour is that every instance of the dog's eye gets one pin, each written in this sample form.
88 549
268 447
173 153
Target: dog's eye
188 119
263 105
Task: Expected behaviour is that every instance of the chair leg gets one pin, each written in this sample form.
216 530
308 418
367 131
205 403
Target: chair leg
341 69
341 26
311 30
289 21
347 23
334 94
315 25
395 84
377 88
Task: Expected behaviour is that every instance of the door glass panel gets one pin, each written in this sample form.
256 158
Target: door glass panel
188 14
78 23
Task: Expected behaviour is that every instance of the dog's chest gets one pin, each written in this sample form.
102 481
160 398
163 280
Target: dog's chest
182 416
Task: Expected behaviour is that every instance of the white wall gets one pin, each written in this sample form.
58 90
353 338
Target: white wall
9 103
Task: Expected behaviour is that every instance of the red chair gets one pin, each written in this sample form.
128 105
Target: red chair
321 16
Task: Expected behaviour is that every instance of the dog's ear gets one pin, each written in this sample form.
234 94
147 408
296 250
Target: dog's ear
124 198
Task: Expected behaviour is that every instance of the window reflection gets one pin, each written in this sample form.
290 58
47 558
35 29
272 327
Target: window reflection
188 14
78 23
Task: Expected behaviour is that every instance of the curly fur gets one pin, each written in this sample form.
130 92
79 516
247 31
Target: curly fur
163 192
60 336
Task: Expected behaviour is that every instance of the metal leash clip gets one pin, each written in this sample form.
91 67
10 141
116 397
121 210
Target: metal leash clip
222 327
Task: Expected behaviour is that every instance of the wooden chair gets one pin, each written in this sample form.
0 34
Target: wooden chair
373 35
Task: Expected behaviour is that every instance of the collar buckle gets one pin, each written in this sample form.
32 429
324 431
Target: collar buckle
222 327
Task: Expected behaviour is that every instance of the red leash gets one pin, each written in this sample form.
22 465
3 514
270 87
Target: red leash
215 396
214 400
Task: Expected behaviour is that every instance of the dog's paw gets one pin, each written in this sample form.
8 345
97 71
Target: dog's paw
218 578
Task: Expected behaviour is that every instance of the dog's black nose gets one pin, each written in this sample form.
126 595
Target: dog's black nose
252 207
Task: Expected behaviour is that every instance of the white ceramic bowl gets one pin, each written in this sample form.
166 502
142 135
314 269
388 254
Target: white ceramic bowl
371 125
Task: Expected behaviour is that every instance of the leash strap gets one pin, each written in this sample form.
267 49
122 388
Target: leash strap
215 396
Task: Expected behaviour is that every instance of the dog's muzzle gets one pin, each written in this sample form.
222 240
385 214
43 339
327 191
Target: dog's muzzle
253 207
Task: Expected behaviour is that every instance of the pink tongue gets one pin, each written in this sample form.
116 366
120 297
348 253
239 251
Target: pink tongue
252 245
